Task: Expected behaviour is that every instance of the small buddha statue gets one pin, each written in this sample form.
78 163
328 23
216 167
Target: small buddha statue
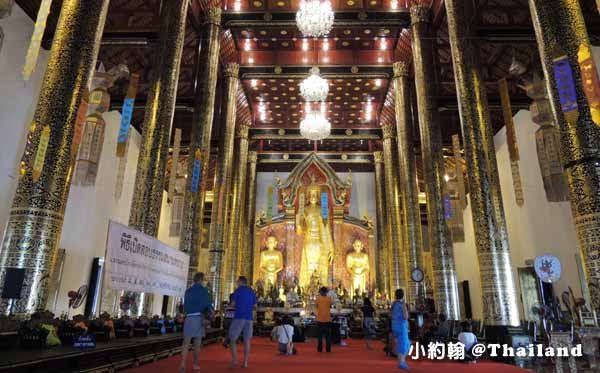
271 262
357 263
282 297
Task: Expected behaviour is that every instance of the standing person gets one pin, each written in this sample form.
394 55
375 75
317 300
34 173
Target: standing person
244 300
324 320
197 304
368 312
400 328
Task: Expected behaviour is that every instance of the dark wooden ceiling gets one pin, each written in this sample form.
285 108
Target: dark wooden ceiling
368 36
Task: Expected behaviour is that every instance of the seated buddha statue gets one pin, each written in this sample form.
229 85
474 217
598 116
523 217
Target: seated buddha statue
271 262
357 263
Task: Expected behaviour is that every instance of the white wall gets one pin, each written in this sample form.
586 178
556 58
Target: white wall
89 209
538 227
18 100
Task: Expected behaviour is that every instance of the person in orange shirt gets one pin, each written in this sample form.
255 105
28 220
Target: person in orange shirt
324 320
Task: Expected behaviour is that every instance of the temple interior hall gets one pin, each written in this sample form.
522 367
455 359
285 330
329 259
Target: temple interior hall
417 182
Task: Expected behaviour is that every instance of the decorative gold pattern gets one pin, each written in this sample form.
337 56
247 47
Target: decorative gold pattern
411 212
35 221
401 69
247 236
392 205
419 14
223 185
201 132
491 236
158 118
440 241
381 273
557 24
240 266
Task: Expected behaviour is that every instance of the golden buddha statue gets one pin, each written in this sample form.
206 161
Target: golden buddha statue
271 262
357 263
317 251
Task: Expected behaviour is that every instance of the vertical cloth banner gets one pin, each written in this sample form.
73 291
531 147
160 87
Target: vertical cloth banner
36 39
80 123
589 79
269 204
126 114
40 155
460 180
325 206
565 84
196 172
511 141
174 164
138 262
121 171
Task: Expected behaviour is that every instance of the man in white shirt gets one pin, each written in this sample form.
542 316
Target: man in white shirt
285 336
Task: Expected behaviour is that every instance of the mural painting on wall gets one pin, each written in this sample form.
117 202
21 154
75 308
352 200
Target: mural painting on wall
312 234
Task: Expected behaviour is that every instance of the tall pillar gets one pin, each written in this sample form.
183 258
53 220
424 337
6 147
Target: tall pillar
491 236
158 118
411 213
397 277
562 41
201 132
440 240
35 222
381 274
222 188
235 256
247 236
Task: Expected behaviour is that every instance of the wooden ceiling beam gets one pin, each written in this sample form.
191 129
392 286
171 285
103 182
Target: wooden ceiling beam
243 20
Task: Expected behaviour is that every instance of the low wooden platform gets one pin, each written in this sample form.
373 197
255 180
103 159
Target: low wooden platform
106 357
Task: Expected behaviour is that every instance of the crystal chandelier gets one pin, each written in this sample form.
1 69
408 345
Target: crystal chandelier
315 18
314 88
315 126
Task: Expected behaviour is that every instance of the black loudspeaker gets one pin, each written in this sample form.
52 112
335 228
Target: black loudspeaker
94 287
467 300
165 305
13 283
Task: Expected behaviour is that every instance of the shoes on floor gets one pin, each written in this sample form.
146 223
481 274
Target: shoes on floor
403 366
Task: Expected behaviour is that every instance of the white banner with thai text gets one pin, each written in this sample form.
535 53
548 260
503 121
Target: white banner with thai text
138 262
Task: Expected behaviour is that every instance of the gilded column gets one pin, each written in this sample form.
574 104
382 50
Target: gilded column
411 213
158 118
35 222
440 240
491 236
575 101
382 274
239 260
397 277
222 190
201 132
247 236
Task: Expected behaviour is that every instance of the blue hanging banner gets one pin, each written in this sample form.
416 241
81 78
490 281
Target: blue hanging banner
269 204
127 114
565 85
196 172
325 205
447 206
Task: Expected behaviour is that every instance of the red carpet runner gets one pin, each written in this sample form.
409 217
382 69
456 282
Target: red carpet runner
348 359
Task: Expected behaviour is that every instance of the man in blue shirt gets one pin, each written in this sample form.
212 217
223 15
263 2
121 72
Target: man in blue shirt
244 300
196 305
